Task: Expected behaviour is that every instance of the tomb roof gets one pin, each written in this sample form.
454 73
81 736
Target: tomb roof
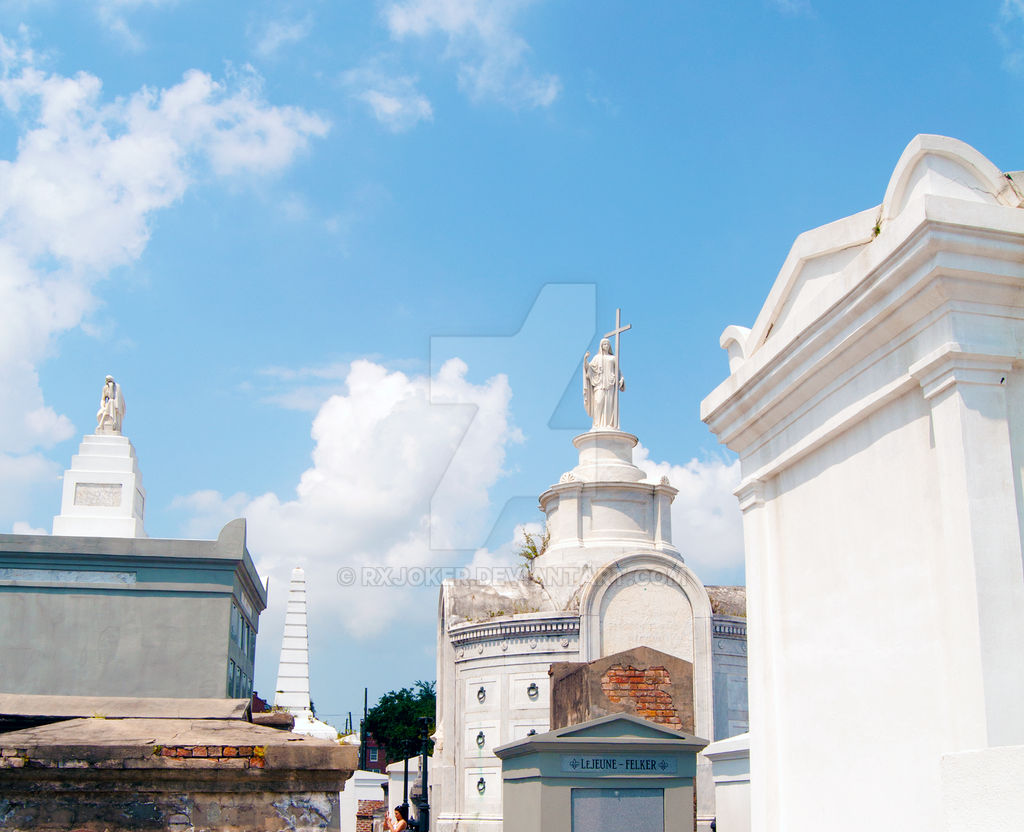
728 600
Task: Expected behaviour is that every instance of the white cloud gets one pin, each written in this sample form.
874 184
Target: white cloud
706 521
394 101
398 110
1009 32
21 527
401 465
26 481
274 35
305 388
480 37
113 15
208 512
79 194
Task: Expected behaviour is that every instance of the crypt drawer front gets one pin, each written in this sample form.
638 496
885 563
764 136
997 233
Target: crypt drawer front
522 729
529 690
482 694
482 789
481 739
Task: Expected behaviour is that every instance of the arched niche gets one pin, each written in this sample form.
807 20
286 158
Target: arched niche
616 588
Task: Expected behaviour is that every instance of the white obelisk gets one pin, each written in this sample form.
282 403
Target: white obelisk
292 693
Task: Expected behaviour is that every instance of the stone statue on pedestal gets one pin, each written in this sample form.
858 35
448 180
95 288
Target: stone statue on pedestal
602 380
110 416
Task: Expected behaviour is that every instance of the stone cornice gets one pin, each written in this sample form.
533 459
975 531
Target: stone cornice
728 627
950 365
750 494
511 629
590 488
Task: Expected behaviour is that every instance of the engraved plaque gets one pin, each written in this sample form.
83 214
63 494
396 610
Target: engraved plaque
98 494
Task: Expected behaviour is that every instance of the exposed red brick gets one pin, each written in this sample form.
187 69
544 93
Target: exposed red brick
230 751
645 688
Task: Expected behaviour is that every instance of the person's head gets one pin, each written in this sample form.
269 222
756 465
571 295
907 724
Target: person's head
402 812
606 345
109 379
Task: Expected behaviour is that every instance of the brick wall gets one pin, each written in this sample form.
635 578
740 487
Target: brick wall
647 689
644 682
364 814
221 756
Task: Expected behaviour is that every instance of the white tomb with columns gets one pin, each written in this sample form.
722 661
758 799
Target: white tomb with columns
877 406
610 579
103 494
292 690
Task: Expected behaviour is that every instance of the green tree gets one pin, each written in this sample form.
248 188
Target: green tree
394 722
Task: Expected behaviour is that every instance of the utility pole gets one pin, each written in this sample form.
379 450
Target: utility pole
362 734
362 747
423 800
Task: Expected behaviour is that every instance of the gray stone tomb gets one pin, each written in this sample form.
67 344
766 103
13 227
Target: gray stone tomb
612 773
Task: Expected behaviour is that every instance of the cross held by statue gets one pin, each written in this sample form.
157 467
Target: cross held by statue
602 380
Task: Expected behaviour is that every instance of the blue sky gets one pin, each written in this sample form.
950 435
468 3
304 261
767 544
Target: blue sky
345 257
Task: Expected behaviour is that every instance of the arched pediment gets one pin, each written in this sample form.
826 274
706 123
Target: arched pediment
816 271
944 166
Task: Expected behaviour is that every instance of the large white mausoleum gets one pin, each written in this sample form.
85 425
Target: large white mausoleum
877 406
610 579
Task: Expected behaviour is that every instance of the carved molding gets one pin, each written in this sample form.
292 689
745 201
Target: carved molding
950 364
510 630
729 629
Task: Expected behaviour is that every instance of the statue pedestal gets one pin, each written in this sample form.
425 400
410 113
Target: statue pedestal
606 456
103 494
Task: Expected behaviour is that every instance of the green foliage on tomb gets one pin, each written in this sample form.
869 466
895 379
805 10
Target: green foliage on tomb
533 546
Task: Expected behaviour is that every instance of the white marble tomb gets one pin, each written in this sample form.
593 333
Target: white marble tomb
610 579
877 407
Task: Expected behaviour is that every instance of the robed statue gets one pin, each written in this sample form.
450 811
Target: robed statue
110 416
601 383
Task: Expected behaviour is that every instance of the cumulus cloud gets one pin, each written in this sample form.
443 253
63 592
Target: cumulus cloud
706 521
24 528
480 37
398 109
394 101
273 35
78 196
401 466
209 511
26 480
